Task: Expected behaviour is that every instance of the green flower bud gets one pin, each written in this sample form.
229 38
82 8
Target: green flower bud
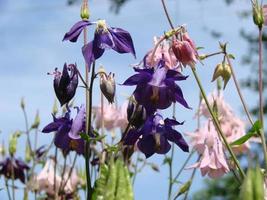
184 188
28 154
222 70
246 192
2 149
258 184
85 14
257 10
36 121
13 142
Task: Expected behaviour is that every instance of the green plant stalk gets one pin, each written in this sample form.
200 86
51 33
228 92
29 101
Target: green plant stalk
167 14
261 133
7 189
217 125
170 173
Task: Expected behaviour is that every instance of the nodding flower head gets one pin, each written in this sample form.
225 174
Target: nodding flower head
105 37
108 86
185 50
13 165
154 136
156 87
65 83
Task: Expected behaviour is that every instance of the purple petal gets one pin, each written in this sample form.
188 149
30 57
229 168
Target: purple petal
177 138
164 146
179 97
138 79
77 124
175 75
91 52
76 30
122 39
172 122
131 137
147 145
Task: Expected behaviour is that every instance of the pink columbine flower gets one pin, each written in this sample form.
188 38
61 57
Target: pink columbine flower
232 126
185 50
45 179
112 117
165 52
207 143
73 180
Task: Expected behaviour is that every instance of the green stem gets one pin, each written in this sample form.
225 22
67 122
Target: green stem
7 189
217 125
167 14
261 132
70 172
185 163
170 172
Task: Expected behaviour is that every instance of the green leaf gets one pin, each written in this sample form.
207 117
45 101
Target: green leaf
85 137
254 131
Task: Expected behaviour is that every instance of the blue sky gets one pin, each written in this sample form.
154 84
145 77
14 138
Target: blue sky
31 32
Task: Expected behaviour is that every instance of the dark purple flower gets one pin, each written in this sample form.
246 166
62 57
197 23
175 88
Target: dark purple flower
155 135
136 113
62 126
104 38
156 87
65 83
18 166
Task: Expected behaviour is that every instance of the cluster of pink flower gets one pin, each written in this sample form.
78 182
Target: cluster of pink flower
209 145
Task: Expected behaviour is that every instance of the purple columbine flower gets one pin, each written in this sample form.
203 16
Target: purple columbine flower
19 168
156 87
104 38
63 126
65 83
155 135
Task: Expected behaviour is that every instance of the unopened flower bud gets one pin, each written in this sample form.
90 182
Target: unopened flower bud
36 122
257 10
85 14
27 154
108 86
222 70
22 104
136 114
184 188
2 149
12 144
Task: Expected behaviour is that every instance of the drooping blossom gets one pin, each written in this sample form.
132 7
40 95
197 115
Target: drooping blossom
185 50
65 83
105 37
209 146
165 52
232 126
10 165
108 86
66 127
112 117
47 178
156 87
155 135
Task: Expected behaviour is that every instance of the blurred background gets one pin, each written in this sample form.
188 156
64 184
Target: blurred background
31 33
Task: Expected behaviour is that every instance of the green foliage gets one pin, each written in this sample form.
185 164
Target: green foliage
114 182
226 188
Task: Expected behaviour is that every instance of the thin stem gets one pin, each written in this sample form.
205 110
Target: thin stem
213 54
239 90
185 163
260 79
62 175
261 132
217 125
136 167
13 177
7 189
191 179
170 172
70 172
27 129
166 13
